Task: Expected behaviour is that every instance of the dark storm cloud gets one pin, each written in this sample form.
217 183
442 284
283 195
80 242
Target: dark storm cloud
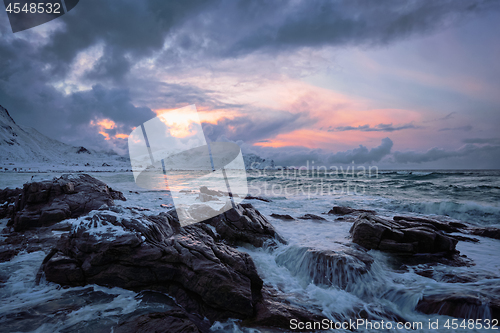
435 154
185 34
157 95
377 128
459 128
362 154
318 23
129 30
255 128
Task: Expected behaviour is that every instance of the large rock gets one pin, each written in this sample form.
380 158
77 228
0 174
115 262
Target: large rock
312 217
429 223
400 236
342 210
467 304
69 196
284 217
244 224
344 268
489 232
124 248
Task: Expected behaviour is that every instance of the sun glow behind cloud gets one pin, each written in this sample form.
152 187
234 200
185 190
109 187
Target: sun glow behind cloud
104 126
180 124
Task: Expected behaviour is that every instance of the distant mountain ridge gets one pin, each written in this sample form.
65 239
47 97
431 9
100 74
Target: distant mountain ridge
253 161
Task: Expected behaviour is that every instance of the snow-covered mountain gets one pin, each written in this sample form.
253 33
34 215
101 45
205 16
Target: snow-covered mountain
253 161
25 147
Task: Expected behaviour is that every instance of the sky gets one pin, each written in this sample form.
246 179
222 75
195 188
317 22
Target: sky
394 84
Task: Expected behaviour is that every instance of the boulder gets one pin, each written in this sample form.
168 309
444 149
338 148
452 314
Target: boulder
430 223
244 224
311 217
489 232
118 247
342 210
213 193
400 236
285 217
69 196
467 304
342 268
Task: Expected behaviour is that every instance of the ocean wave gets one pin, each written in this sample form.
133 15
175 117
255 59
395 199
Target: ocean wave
468 212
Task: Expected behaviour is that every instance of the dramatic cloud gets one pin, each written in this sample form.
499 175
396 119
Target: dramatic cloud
265 124
377 128
90 76
362 154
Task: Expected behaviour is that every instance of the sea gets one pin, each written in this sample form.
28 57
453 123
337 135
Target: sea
387 294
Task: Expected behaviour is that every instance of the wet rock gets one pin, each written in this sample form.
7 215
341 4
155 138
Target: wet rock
8 198
206 190
175 321
461 304
275 311
250 197
464 238
117 247
7 253
213 193
342 210
38 239
56 310
311 217
400 236
489 232
203 197
326 267
47 202
443 274
282 216
245 224
430 223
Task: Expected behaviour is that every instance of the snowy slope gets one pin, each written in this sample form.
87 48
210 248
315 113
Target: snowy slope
26 147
